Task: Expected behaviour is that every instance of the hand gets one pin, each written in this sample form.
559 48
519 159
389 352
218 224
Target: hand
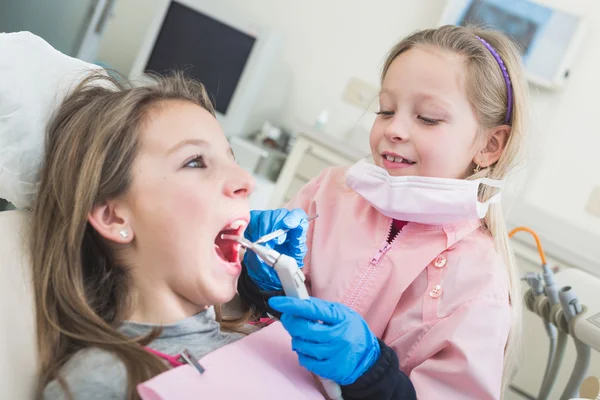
292 243
332 341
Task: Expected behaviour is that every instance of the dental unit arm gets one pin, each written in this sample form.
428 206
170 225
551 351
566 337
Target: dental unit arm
292 280
540 300
562 312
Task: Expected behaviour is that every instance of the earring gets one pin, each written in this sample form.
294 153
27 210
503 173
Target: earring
477 168
124 233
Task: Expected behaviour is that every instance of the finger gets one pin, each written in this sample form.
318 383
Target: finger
317 351
252 230
322 368
309 330
313 309
280 239
297 222
295 218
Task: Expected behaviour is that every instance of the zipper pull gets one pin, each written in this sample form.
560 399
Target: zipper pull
380 253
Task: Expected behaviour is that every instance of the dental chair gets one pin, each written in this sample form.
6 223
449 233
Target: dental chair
34 78
18 366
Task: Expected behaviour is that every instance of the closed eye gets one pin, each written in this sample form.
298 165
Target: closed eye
428 121
196 162
385 113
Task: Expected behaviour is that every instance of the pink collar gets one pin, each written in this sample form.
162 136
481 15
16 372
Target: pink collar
174 361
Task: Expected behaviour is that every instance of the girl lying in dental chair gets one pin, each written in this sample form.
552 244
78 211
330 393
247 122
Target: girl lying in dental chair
129 270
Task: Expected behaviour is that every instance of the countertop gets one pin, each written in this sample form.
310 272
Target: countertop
331 143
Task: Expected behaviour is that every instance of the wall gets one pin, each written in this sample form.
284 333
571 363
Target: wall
324 48
566 167
569 132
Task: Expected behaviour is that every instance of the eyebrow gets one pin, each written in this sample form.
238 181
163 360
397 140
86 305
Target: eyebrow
188 142
423 96
436 99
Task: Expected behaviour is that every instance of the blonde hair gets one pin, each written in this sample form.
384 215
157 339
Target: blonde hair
81 289
487 93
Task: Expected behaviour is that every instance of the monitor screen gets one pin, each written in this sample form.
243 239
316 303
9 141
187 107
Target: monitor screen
522 29
206 49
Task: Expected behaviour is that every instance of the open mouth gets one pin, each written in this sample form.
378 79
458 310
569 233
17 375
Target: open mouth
397 159
228 250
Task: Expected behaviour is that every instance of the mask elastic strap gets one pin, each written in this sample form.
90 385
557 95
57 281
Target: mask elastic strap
482 208
491 182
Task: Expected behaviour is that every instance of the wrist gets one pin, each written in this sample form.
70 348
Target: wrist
260 274
253 295
378 364
265 286
375 354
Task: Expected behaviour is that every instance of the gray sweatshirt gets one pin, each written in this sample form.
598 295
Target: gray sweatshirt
98 374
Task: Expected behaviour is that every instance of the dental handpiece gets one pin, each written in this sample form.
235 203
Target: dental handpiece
292 280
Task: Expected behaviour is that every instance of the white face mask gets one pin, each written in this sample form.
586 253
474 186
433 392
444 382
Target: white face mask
432 201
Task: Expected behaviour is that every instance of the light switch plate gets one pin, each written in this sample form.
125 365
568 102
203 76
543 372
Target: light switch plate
593 205
361 94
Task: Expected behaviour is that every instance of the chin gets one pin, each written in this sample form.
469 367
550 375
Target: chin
223 292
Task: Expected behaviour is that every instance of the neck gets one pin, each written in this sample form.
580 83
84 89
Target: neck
159 304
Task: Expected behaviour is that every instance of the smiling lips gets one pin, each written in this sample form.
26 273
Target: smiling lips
392 161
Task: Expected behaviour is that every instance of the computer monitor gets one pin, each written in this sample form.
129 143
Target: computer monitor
548 38
230 55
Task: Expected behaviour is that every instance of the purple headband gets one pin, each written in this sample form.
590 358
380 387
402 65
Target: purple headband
506 78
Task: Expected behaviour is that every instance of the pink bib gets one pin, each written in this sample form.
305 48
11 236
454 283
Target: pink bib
259 366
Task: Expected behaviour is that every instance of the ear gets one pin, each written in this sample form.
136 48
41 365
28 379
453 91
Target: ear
111 221
493 149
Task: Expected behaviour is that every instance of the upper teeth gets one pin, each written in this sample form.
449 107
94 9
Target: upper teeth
393 159
237 224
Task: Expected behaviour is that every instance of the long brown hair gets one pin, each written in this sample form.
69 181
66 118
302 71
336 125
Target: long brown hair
81 290
487 93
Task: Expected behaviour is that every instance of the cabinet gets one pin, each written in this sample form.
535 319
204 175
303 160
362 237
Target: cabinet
312 153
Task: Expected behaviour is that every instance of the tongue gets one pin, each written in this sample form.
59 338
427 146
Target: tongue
220 253
224 249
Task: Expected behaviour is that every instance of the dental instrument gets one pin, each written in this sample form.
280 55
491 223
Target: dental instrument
292 280
275 234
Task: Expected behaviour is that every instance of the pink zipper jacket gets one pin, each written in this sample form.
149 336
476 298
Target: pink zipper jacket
438 295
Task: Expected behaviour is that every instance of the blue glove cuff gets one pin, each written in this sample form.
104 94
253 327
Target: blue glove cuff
369 360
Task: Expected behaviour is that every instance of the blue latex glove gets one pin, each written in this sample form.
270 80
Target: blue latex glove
341 348
292 243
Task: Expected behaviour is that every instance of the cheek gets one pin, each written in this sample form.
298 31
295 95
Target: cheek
376 136
171 205
444 156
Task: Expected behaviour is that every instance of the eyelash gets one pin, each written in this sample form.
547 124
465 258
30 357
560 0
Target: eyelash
197 159
428 121
425 120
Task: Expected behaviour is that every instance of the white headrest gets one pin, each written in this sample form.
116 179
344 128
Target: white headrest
19 361
34 79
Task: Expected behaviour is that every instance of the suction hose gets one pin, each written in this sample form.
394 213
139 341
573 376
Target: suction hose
552 372
571 308
557 347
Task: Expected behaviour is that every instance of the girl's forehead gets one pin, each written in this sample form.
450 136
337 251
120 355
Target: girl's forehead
428 71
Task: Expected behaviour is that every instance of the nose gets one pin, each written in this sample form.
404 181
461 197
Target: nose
239 183
396 130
